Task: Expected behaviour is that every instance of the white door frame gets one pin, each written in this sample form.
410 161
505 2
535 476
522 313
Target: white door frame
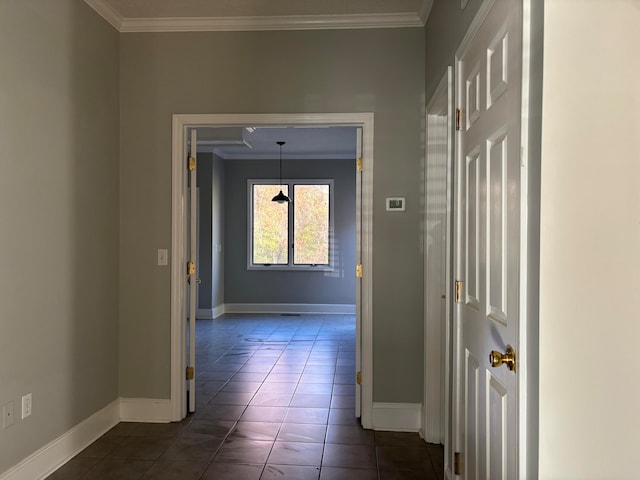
180 124
437 367
529 269
193 237
193 287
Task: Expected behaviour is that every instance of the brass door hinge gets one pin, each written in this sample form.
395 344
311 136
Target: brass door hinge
459 287
359 164
192 164
359 378
457 463
359 270
458 119
191 268
191 373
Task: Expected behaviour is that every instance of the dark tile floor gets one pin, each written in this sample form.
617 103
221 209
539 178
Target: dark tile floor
275 400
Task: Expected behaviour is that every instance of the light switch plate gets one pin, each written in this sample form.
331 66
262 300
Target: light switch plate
7 415
26 406
163 256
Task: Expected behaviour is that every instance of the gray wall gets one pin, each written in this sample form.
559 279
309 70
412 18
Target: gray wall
205 183
59 217
211 258
253 286
446 26
381 71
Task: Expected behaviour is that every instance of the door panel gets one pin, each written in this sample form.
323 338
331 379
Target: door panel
496 416
471 412
488 239
472 218
496 226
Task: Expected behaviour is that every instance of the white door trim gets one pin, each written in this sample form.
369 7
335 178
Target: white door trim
194 241
529 273
180 124
437 367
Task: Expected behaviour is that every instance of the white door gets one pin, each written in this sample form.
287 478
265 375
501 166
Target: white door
192 285
488 241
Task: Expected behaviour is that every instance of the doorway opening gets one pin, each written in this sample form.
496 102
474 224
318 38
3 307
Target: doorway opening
278 277
183 125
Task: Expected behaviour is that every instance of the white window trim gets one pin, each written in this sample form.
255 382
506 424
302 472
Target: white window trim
290 266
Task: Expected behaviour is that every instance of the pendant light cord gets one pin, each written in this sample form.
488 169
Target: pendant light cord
281 197
280 143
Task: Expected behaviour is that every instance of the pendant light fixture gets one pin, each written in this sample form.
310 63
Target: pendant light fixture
280 197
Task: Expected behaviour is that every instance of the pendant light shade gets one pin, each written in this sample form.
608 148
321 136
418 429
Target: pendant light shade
280 197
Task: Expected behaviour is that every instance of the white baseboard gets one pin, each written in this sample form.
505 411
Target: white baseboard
210 313
146 410
56 453
301 308
204 314
219 310
397 417
404 417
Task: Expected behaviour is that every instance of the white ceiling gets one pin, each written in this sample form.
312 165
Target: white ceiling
212 15
306 143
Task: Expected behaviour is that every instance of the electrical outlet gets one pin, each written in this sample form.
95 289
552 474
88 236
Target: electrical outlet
7 415
26 405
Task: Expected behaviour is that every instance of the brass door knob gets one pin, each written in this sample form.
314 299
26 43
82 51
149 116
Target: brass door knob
507 358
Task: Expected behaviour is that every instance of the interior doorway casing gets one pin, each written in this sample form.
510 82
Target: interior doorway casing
438 264
181 124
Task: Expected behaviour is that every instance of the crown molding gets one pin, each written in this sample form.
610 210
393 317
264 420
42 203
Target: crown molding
105 11
288 22
283 22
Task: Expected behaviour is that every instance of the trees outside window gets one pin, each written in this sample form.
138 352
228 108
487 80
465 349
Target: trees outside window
290 235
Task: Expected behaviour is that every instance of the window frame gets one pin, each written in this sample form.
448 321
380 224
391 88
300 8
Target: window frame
290 266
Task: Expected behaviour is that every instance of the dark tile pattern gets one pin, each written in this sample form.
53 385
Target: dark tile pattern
275 400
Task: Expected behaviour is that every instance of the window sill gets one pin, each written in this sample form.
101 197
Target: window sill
290 268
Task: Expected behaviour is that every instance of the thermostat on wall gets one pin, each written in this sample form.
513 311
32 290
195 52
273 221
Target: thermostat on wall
395 204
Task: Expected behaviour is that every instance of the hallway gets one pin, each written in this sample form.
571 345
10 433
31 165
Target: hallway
275 400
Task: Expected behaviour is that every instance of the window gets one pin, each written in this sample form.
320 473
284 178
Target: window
294 235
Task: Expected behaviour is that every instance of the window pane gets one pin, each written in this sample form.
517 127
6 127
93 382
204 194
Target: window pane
270 226
311 224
